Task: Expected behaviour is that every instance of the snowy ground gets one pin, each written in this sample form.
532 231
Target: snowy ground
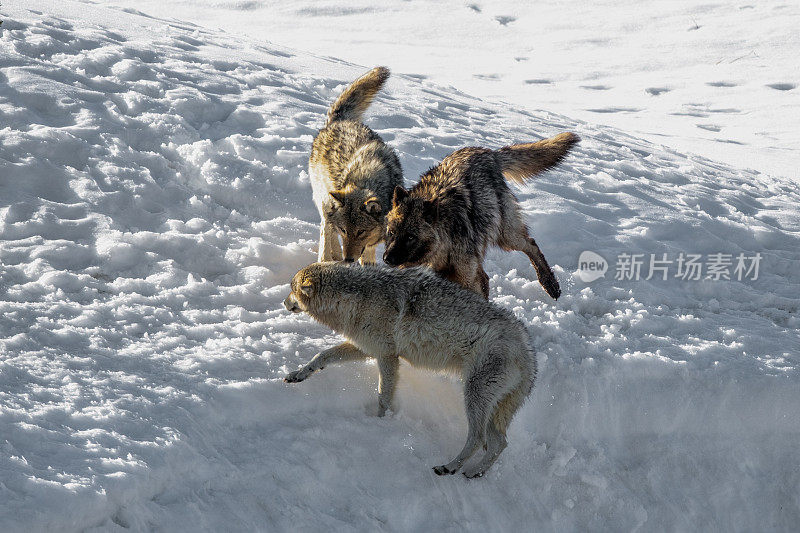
154 204
721 79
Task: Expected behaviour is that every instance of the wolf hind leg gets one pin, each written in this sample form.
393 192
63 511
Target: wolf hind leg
495 444
488 383
329 247
496 429
516 237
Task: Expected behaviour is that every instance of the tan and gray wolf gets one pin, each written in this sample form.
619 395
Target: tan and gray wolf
353 173
413 313
463 205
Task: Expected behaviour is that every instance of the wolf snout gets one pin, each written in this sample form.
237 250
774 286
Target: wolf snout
291 305
390 258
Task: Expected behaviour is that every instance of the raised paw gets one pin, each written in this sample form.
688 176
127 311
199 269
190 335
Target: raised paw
550 284
442 470
297 376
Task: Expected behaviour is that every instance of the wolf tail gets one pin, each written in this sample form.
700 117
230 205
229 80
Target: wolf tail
355 100
521 161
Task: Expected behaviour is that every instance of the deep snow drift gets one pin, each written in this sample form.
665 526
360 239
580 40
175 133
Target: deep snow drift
154 203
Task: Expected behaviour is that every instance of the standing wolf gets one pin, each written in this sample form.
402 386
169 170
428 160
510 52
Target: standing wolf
412 313
353 173
463 205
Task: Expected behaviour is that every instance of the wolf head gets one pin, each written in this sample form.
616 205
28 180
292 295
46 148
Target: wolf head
411 235
305 288
320 287
358 216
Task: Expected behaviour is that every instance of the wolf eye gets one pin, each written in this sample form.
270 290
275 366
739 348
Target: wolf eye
411 239
359 233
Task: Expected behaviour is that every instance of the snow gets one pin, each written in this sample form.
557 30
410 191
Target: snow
714 78
154 203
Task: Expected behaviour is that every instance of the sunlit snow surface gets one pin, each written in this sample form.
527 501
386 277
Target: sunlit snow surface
154 203
721 79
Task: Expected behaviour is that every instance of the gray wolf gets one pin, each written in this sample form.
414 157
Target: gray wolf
353 173
388 313
463 205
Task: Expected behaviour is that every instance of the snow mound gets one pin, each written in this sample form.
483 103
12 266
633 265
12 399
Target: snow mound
154 203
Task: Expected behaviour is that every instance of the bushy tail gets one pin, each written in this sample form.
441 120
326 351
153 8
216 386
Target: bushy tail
521 161
355 100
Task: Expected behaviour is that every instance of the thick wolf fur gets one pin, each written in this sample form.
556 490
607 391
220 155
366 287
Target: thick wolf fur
460 207
353 173
413 313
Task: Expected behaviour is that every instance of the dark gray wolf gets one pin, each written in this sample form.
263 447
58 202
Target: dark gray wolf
463 205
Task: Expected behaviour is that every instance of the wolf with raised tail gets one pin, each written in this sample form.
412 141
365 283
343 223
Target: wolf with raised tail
463 205
353 174
412 313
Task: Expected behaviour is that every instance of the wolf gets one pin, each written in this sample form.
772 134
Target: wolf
388 313
461 206
353 173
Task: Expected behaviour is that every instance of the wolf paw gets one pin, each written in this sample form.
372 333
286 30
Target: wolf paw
473 473
550 285
297 376
442 470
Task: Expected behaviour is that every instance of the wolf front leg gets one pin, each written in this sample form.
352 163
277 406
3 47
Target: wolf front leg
469 274
329 247
368 255
387 381
337 354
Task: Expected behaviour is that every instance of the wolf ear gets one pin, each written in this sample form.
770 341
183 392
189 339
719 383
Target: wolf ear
430 211
307 287
338 196
399 195
373 206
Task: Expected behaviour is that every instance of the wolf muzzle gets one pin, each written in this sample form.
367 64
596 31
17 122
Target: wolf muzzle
390 257
291 305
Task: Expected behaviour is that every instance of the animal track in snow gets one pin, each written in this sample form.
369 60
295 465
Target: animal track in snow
782 86
615 109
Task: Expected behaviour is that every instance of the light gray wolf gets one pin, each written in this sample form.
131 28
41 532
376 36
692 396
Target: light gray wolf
353 173
463 205
388 313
